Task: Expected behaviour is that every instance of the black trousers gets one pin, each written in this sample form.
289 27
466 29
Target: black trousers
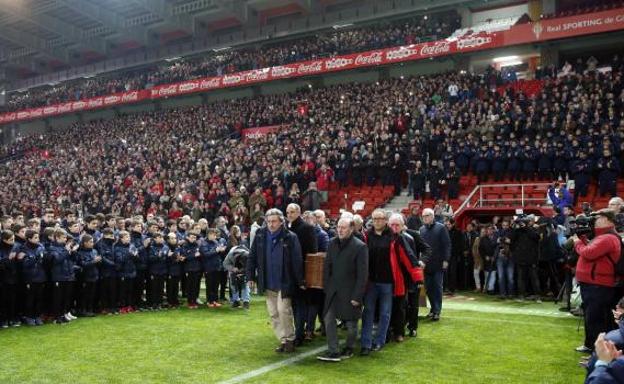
108 293
549 277
398 316
87 296
126 292
528 271
192 286
8 302
33 299
62 297
139 287
450 275
156 288
213 280
173 289
223 284
598 301
412 308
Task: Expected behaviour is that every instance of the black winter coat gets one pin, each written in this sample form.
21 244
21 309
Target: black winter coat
525 246
345 275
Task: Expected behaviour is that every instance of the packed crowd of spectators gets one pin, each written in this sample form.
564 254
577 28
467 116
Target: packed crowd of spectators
423 129
324 44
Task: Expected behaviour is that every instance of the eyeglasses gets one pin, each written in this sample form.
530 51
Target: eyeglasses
379 218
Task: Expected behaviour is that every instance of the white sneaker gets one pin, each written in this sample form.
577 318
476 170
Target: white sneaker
66 316
70 316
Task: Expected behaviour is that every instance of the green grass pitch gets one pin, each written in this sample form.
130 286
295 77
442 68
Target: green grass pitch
478 340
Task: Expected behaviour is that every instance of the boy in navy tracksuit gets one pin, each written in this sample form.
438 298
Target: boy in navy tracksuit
93 228
9 281
31 255
125 255
62 275
174 270
158 252
140 243
108 272
211 260
89 260
192 268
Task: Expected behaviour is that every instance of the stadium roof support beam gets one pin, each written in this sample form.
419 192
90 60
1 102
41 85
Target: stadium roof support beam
69 33
236 8
164 10
35 43
112 21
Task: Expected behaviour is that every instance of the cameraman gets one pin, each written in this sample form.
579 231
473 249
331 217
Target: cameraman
595 272
525 250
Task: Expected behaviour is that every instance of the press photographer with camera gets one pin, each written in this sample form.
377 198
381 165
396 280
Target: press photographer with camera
525 251
596 274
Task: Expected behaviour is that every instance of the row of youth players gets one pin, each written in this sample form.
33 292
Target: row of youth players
55 271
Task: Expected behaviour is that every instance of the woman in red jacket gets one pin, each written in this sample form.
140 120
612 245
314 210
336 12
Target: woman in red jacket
595 272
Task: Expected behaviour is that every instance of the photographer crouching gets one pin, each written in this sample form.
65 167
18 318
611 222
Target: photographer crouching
596 274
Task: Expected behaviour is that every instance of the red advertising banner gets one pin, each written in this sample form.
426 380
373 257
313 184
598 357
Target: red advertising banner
254 133
559 28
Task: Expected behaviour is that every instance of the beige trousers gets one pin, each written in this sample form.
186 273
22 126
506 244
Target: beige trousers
281 313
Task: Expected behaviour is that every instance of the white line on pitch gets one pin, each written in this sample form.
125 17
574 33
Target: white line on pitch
272 367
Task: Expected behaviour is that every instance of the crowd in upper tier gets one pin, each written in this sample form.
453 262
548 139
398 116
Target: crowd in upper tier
324 44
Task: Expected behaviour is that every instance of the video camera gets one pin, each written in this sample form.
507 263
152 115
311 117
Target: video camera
582 224
521 221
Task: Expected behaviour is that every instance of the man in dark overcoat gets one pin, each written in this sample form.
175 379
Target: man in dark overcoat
345 275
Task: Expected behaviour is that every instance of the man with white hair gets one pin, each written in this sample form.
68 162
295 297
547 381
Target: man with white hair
436 235
276 264
617 205
321 219
345 275
403 262
358 224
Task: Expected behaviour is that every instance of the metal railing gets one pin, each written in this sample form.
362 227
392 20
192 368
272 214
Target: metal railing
479 197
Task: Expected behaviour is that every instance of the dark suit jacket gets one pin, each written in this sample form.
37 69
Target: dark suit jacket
345 275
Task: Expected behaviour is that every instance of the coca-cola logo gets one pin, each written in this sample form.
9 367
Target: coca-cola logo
232 79
435 49
79 105
23 114
111 99
164 91
96 102
65 107
187 87
257 75
282 71
338 62
373 58
49 110
473 42
36 112
401 53
315 66
212 83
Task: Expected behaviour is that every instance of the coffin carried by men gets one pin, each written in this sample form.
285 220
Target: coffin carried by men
314 270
